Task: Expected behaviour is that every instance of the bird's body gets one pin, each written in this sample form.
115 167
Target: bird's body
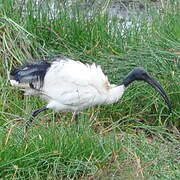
69 85
77 86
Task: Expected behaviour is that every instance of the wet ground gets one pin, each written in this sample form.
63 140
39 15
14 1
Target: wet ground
123 9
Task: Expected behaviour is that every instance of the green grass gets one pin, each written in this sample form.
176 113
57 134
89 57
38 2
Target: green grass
135 138
55 152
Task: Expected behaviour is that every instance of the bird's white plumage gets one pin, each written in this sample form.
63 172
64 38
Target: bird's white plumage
71 86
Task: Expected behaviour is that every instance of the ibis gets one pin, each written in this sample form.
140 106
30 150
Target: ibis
70 85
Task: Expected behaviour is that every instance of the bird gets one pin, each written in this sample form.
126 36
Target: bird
69 85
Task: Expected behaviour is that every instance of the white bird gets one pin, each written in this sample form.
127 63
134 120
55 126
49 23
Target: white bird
69 85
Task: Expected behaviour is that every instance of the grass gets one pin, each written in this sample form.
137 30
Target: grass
135 138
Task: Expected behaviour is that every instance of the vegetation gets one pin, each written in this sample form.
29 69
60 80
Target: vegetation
136 138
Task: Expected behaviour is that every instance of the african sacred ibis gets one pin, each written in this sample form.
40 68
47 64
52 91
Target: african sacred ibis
69 85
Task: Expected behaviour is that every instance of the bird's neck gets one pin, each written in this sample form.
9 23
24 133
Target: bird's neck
115 93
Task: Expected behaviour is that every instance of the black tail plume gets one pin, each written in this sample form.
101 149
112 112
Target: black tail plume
31 73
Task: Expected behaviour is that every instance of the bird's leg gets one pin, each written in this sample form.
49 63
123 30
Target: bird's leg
34 114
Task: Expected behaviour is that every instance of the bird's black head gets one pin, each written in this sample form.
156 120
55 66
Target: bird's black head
140 74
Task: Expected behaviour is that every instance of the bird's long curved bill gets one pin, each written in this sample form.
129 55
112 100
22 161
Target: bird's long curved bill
159 88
